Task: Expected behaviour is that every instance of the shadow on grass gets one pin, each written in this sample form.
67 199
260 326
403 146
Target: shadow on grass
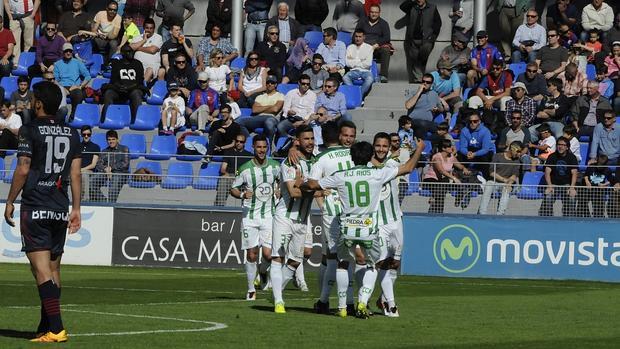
5 332
579 342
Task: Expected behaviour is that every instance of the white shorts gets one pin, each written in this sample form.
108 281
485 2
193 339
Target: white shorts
256 232
331 234
288 239
371 255
391 240
180 120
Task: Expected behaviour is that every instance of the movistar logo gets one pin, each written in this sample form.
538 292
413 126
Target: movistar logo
456 248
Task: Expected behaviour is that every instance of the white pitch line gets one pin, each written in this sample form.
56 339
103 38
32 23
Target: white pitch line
126 289
149 304
205 275
215 325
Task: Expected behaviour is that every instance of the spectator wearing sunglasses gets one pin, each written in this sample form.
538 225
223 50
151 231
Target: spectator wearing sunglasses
234 158
105 28
49 50
273 52
422 107
333 101
298 107
90 157
529 38
182 73
606 139
317 74
475 146
267 106
72 75
553 58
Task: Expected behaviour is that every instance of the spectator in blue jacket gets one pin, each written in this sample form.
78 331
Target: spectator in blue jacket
475 146
71 74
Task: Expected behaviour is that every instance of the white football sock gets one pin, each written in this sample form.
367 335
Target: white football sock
393 275
330 279
299 273
368 284
250 271
387 287
276 281
288 273
360 269
342 280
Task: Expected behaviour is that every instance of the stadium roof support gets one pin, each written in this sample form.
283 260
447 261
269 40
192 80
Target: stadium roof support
480 15
237 24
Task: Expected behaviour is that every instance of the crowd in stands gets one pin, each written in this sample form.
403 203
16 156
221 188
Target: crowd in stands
544 87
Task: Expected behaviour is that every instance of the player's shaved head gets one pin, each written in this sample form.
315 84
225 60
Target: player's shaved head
49 95
361 153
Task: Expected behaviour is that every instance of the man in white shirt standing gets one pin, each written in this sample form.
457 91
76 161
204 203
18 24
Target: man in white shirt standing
147 48
530 38
21 21
359 60
298 107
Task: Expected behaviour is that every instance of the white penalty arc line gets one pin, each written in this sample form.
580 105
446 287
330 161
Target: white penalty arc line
126 289
214 325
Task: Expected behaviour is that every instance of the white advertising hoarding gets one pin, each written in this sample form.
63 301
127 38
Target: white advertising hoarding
91 245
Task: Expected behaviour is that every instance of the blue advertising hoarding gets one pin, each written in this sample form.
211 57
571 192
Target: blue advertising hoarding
503 247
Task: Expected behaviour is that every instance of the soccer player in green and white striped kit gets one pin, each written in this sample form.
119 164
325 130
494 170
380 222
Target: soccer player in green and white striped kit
359 189
390 227
290 223
256 185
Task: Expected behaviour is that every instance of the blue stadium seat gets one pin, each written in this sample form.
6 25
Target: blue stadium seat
584 149
314 39
154 166
34 81
353 95
147 118
439 119
374 70
9 84
85 114
26 59
248 144
246 111
95 64
100 140
208 176
414 182
517 68
280 142
530 186
200 139
136 142
285 88
428 147
345 37
118 116
179 176
2 170
591 71
466 93
162 147
237 63
453 119
96 84
8 178
158 93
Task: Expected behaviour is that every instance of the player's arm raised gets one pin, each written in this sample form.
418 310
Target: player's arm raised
408 166
75 218
19 179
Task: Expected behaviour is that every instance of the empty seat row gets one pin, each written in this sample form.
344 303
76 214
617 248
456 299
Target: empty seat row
118 116
161 148
180 175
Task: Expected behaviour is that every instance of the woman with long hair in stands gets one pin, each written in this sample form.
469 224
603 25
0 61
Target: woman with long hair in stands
252 81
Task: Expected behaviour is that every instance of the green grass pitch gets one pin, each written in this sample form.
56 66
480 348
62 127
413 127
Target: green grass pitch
122 307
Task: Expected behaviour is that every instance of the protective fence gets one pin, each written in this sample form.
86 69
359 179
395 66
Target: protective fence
190 181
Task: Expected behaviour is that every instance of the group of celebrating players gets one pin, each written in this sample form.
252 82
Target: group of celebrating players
356 188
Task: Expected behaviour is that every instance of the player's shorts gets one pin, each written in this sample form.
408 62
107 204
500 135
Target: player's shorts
331 234
288 239
391 240
44 230
256 232
370 249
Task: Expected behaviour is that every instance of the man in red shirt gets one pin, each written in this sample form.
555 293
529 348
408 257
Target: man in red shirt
494 89
7 42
